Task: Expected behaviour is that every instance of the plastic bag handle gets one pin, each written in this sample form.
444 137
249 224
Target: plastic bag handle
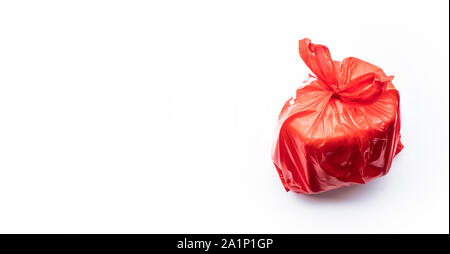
318 58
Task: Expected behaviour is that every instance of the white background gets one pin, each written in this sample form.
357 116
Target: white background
140 117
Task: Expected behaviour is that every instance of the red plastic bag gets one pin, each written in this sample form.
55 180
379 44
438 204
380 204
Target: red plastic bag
342 127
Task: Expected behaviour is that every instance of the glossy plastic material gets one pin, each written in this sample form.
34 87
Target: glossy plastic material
341 128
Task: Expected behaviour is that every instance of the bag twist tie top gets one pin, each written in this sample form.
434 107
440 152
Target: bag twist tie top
368 83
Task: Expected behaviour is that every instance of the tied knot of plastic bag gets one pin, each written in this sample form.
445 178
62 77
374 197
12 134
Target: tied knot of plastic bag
351 80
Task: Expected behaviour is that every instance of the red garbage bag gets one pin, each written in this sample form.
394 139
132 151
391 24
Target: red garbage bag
341 128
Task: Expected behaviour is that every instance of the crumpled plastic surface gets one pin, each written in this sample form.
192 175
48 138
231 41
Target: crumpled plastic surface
341 128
